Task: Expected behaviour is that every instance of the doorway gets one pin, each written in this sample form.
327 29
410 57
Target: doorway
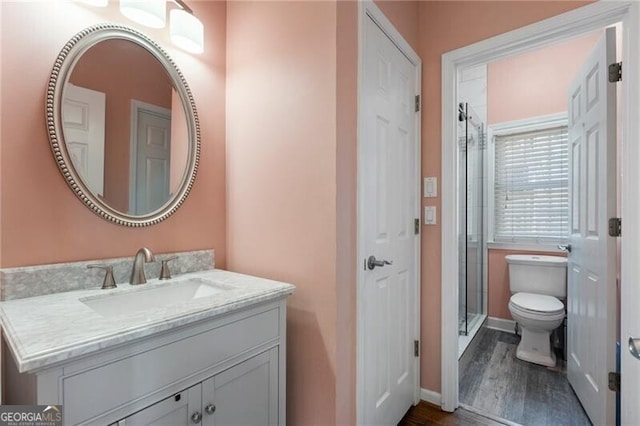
523 98
550 31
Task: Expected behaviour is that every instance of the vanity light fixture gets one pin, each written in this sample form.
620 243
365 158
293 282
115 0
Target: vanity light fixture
187 31
151 13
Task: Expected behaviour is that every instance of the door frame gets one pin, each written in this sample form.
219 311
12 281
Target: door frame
367 9
558 28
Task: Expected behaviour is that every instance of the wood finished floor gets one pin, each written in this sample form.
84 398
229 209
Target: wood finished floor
494 381
428 414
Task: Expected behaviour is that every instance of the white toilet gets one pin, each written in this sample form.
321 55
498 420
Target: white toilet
538 286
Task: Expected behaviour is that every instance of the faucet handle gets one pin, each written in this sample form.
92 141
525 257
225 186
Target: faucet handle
165 273
108 282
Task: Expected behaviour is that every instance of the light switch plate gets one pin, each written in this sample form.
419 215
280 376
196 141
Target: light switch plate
430 215
430 187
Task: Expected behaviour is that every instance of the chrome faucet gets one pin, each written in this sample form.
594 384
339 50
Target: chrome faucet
137 273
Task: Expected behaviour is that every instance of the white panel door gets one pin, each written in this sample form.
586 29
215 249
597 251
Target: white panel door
152 161
591 303
387 214
83 117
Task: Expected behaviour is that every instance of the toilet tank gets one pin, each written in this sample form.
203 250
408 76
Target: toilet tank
538 274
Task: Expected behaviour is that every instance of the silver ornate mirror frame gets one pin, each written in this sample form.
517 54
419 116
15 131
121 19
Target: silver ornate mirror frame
62 68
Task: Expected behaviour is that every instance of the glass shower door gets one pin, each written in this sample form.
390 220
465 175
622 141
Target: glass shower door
471 233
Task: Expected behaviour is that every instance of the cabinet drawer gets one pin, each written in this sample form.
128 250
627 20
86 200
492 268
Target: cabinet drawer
175 410
91 393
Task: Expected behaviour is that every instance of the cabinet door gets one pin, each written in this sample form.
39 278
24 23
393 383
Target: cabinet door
177 410
246 394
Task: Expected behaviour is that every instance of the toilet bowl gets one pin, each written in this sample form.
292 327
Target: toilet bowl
538 315
537 283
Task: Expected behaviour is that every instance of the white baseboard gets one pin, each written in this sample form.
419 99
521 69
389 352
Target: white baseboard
501 324
430 396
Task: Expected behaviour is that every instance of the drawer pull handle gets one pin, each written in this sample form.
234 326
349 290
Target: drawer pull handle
196 417
210 409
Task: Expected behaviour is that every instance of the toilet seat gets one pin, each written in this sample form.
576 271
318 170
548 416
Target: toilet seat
536 306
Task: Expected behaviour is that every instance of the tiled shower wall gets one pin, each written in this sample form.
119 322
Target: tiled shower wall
472 88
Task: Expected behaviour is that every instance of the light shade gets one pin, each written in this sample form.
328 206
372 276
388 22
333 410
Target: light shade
99 3
187 32
151 13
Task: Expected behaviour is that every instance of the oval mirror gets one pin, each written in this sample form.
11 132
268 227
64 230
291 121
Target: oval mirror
123 125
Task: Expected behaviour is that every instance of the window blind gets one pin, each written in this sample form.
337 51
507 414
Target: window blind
531 186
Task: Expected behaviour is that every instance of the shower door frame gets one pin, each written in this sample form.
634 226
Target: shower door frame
555 29
471 122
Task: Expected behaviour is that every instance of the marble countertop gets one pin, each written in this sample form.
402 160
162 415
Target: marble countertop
45 330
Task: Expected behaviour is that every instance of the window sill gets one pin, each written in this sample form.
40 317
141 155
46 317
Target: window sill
547 247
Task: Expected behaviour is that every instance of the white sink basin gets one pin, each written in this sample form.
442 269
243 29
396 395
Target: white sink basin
153 297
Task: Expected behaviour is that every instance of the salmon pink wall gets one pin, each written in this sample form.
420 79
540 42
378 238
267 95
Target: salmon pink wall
445 26
291 176
404 17
346 180
536 83
41 220
281 179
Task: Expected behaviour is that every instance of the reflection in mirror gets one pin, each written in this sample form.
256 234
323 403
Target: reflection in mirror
122 125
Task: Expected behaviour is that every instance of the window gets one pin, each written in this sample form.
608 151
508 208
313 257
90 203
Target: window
531 197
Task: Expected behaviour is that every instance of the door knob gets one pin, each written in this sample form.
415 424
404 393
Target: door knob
372 262
196 417
210 409
565 247
634 347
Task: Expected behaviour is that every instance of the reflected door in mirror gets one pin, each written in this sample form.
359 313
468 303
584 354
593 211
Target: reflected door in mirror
84 118
152 163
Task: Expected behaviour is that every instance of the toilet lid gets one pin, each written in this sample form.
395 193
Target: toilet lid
537 302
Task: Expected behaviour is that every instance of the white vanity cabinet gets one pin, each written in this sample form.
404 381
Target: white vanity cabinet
246 394
229 369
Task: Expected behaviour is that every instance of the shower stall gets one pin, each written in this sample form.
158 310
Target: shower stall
471 202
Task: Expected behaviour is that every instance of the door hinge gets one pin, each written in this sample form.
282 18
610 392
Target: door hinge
417 103
416 226
416 348
615 72
615 227
614 381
